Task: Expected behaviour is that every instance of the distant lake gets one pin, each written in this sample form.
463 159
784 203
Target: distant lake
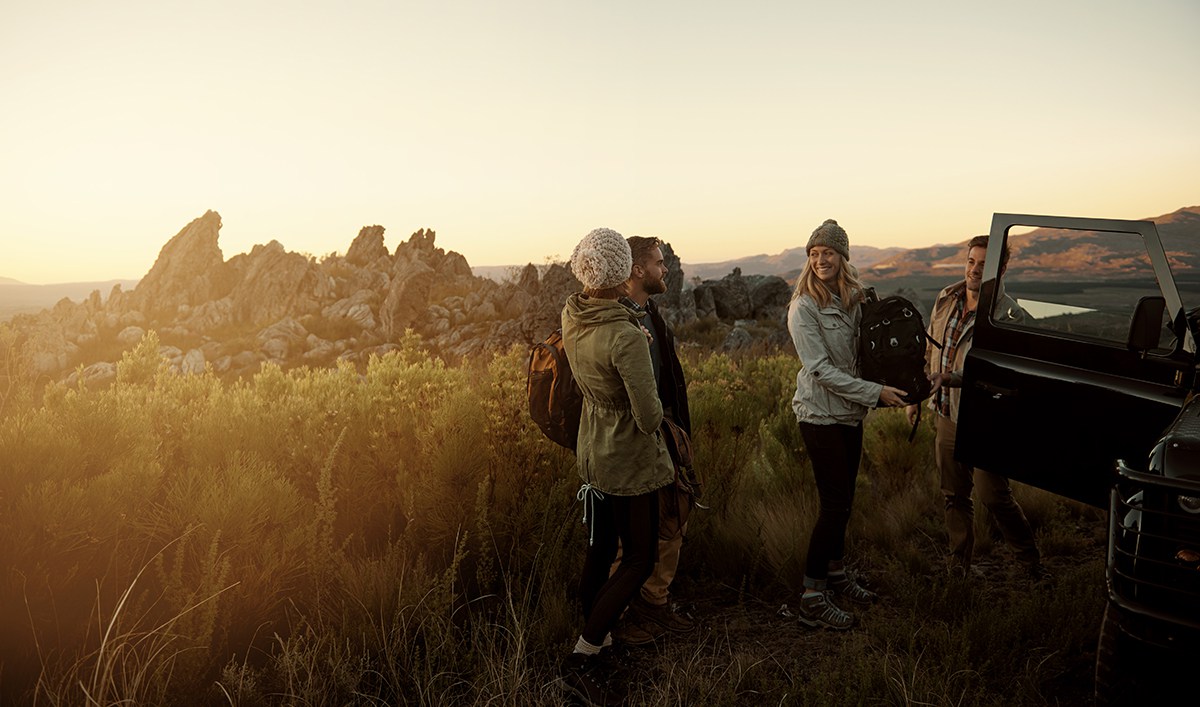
1041 310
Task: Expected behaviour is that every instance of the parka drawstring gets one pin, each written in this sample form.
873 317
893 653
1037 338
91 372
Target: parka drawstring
589 495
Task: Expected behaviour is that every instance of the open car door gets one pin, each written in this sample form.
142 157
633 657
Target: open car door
1054 399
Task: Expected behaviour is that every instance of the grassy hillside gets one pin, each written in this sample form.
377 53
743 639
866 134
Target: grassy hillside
404 535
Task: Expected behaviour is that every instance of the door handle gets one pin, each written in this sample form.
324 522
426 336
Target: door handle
996 392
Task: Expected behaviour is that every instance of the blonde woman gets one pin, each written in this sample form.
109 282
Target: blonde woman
830 404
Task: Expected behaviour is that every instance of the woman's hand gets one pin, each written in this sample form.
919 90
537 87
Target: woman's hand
891 397
910 411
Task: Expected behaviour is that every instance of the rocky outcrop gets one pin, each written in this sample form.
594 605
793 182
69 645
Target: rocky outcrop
275 305
368 247
737 296
274 283
190 270
407 296
678 303
543 313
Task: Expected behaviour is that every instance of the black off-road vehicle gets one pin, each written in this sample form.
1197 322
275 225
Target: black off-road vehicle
1093 397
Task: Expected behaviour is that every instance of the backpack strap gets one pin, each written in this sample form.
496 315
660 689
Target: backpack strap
916 422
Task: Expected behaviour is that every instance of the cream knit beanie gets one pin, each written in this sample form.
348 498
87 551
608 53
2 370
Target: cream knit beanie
602 259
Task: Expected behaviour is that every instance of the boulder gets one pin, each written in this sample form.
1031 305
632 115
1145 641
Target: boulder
454 266
283 338
357 310
770 296
275 284
737 338
130 335
211 316
99 373
706 307
544 313
528 280
407 298
193 362
731 296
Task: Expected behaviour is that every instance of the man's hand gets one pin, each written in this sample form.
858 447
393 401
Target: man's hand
911 411
939 380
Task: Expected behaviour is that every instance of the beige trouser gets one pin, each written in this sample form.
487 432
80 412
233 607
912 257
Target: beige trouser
995 494
672 525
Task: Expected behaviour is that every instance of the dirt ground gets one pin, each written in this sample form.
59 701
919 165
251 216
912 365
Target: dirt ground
750 649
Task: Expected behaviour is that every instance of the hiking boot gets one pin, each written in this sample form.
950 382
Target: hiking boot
817 610
636 633
846 587
664 615
583 677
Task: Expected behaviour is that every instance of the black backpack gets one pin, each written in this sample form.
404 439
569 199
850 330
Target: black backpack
891 345
555 401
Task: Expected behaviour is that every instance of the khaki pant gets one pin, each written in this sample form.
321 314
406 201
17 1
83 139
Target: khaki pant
673 509
995 494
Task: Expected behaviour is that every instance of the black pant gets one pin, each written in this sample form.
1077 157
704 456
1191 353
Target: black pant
835 451
633 520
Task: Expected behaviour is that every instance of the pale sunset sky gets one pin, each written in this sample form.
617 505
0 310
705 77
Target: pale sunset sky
513 128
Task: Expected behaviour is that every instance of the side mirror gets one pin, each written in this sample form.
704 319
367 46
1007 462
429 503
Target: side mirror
1147 326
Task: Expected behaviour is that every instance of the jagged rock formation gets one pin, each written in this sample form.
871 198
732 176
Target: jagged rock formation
190 271
274 305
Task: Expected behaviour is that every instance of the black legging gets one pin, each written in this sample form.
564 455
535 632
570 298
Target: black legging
634 521
835 451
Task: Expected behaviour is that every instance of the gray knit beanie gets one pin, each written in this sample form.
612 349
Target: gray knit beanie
602 259
830 235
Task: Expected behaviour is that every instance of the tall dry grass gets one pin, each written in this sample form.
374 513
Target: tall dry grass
402 534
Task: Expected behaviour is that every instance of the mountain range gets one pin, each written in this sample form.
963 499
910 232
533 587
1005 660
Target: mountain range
17 297
1101 254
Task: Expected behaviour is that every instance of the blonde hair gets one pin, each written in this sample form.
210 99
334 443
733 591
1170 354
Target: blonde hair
849 287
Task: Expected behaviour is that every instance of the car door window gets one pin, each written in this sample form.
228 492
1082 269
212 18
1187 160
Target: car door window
1063 380
1079 283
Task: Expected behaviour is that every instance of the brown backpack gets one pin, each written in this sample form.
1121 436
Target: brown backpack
680 447
555 401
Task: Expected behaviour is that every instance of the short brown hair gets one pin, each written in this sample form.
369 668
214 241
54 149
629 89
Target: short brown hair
641 246
982 242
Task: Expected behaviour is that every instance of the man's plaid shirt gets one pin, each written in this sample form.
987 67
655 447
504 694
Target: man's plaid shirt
959 320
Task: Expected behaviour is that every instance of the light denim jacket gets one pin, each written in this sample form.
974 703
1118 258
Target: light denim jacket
828 389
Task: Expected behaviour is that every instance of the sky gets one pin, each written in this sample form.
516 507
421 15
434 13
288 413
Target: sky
514 128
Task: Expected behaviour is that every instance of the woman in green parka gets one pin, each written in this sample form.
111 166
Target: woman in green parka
622 457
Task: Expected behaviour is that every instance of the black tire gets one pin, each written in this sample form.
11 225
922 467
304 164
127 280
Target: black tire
1115 681
1132 672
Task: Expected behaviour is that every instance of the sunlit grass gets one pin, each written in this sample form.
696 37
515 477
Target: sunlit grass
402 534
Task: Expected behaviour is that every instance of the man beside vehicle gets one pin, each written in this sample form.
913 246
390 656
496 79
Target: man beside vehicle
951 324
